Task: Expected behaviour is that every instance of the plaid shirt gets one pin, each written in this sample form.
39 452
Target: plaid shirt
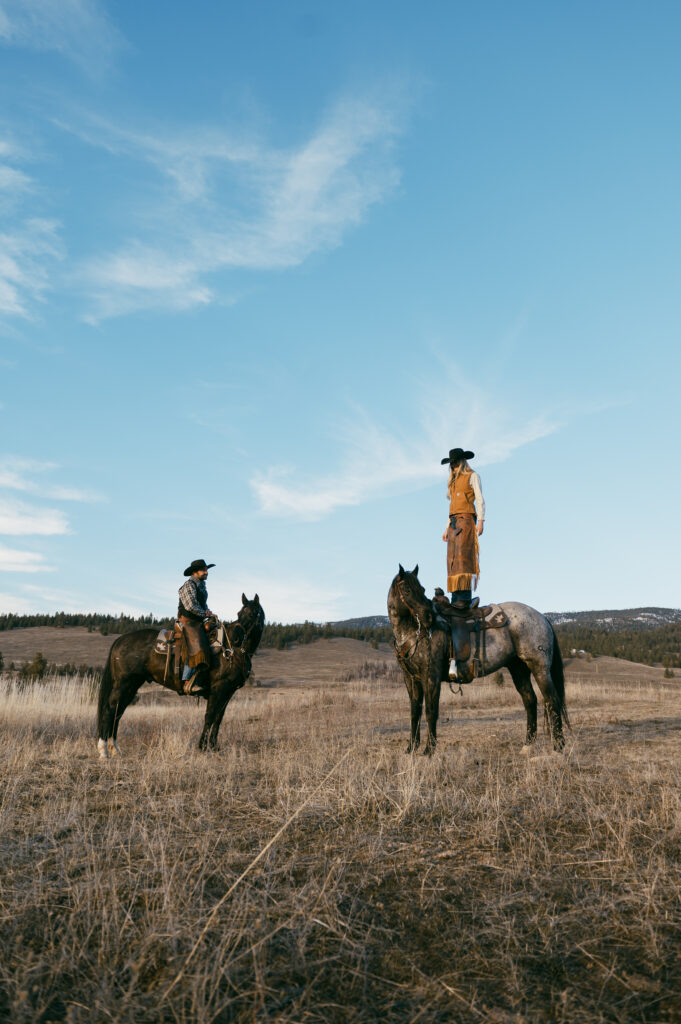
194 596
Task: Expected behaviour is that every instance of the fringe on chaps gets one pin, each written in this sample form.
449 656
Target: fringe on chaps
463 567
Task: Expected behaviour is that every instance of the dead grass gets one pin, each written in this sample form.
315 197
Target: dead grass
481 885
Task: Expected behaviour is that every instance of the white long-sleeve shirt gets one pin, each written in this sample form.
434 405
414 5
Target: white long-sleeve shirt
479 500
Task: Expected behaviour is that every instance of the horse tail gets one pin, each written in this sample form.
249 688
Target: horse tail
558 677
105 687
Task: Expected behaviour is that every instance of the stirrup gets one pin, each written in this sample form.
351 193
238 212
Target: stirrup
190 688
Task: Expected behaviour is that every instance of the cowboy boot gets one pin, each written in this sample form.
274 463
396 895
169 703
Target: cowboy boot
197 685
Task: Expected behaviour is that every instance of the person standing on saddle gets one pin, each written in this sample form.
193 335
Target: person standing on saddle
194 616
466 523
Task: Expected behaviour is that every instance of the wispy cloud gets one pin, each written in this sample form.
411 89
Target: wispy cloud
13 560
16 474
291 600
13 182
240 204
378 459
29 245
78 29
17 518
42 598
12 604
24 255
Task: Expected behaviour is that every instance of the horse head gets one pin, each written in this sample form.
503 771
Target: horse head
408 597
251 617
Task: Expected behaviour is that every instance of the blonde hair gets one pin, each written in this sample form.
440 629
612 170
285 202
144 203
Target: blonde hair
461 467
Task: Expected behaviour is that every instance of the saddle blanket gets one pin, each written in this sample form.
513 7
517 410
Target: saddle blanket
169 636
165 637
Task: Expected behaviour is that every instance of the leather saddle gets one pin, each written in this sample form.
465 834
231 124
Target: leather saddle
467 628
173 644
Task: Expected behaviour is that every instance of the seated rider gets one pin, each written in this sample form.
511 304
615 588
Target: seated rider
195 617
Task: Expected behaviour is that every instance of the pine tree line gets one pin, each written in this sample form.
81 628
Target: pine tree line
276 634
658 646
104 624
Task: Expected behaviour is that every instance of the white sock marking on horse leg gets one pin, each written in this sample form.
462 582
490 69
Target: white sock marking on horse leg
102 748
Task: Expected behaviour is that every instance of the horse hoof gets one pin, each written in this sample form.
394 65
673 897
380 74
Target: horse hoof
527 748
115 750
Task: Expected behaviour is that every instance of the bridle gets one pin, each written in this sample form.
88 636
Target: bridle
247 633
410 608
227 627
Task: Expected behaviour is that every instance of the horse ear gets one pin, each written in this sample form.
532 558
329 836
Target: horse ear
244 599
401 572
256 599
416 569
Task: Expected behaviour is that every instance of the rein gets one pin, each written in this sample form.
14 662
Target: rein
227 627
419 629
404 654
248 632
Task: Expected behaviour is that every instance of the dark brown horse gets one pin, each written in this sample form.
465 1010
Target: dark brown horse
527 647
133 660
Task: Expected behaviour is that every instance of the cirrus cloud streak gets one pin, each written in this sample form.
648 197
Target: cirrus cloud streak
378 460
226 204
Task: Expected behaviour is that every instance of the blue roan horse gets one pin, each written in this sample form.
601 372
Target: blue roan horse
527 647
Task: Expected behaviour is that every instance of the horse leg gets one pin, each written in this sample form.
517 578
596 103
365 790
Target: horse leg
415 691
215 709
127 696
432 712
217 721
108 724
552 703
107 715
118 702
520 674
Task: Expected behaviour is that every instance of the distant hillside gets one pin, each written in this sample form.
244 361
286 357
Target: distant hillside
649 645
617 619
368 622
608 621
649 636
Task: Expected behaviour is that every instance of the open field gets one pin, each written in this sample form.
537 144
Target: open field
316 662
302 664
481 885
73 645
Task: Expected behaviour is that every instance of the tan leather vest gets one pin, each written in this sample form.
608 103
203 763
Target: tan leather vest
462 497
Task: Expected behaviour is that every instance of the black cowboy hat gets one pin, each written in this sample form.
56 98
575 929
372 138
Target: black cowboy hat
197 565
457 455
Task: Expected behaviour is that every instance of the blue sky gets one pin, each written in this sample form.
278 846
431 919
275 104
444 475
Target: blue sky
262 265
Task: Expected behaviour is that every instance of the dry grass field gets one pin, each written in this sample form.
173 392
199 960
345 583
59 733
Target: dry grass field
480 885
73 645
